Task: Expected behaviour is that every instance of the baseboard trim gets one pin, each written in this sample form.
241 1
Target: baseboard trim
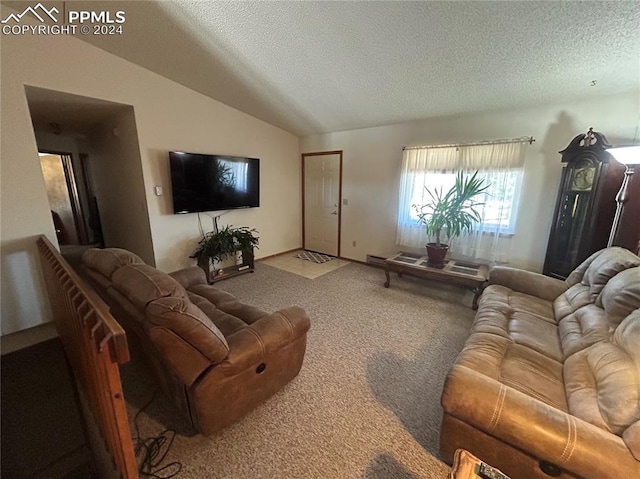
376 261
278 254
368 262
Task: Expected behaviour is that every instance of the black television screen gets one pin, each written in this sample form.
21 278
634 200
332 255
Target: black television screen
213 182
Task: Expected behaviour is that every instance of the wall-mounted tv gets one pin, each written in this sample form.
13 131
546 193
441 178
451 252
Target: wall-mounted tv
213 182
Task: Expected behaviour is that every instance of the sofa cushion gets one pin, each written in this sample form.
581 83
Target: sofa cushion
106 261
527 282
621 295
189 277
213 295
95 278
521 327
582 328
190 323
587 281
627 336
123 307
228 303
226 323
631 437
607 265
141 284
571 300
577 274
516 366
518 301
603 380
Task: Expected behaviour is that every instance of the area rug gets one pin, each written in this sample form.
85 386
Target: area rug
366 404
314 257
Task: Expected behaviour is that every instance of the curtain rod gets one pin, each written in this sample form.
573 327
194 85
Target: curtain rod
522 139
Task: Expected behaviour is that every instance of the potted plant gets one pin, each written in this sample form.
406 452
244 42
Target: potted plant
216 246
450 214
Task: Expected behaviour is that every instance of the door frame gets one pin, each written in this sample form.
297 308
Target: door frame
322 153
72 188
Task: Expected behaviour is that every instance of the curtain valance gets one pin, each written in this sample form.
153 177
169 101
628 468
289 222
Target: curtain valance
479 156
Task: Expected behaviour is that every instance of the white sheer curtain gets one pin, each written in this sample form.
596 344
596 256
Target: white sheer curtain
500 164
238 169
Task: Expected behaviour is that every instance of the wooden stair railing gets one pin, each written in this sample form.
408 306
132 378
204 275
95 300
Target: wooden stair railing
95 345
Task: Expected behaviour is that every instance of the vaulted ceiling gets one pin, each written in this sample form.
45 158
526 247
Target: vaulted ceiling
313 67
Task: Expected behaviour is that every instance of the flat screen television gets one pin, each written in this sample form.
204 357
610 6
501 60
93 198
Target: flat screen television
213 182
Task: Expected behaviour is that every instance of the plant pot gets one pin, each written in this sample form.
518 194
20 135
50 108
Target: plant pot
437 253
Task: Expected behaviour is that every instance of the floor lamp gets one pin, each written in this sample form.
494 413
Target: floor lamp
629 156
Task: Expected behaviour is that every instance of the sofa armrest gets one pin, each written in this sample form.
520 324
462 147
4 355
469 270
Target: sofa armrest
250 346
527 282
186 361
530 425
189 277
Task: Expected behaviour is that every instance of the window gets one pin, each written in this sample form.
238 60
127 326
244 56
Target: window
500 200
238 171
501 164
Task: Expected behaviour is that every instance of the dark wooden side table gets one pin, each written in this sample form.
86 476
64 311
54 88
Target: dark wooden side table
215 275
462 273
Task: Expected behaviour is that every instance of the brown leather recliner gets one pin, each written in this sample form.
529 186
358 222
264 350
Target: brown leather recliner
215 356
548 383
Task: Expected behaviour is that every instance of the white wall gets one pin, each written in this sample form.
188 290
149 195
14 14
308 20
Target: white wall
116 175
168 117
373 157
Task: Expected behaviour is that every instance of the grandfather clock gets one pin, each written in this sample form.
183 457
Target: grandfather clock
586 203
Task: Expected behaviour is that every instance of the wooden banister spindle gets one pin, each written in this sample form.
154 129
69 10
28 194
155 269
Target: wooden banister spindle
95 345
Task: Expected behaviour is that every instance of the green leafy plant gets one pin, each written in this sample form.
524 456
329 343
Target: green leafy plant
222 173
226 241
454 212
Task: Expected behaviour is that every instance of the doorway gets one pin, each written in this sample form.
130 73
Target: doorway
106 169
64 198
321 201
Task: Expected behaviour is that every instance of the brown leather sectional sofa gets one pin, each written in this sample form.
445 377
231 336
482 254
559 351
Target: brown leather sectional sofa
215 356
548 383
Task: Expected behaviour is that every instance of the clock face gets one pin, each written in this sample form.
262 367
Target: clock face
582 178
583 175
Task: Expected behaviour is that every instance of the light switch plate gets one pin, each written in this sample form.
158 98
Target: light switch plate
159 191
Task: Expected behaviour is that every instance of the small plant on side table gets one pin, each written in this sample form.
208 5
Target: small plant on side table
216 246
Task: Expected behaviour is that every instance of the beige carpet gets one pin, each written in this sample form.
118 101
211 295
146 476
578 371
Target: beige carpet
366 403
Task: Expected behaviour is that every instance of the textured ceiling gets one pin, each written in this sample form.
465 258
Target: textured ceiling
312 67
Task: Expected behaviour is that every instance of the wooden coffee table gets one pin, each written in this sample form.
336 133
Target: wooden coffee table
462 273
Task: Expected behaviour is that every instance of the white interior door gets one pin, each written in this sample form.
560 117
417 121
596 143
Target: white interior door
322 202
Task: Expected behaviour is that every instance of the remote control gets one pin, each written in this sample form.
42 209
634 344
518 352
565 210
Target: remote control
485 471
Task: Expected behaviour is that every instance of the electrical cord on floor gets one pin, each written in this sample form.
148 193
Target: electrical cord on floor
152 451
